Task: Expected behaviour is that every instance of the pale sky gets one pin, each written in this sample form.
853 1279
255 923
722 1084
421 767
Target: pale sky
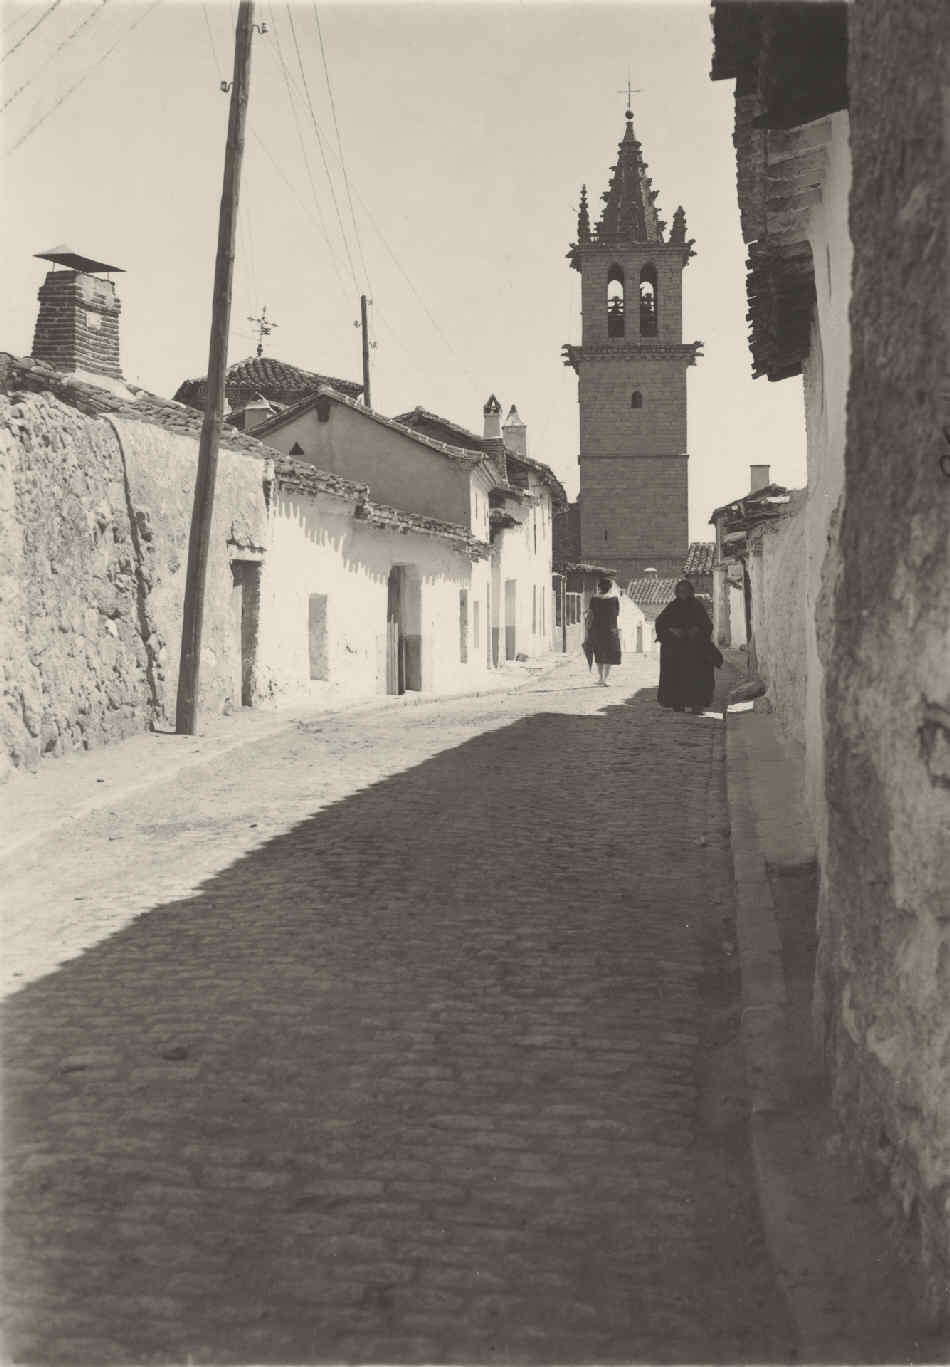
466 130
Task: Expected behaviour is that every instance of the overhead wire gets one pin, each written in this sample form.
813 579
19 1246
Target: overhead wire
20 41
288 86
86 74
323 155
339 143
55 53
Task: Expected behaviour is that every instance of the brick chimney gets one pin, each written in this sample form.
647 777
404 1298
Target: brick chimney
760 477
77 328
492 412
515 433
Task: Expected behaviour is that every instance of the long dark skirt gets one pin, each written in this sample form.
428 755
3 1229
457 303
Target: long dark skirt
686 673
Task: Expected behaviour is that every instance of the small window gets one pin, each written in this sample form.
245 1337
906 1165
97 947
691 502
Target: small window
636 399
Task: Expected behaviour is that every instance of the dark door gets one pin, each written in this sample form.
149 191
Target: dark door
246 600
395 650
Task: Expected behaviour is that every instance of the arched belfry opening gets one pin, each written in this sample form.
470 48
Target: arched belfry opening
649 311
634 467
615 302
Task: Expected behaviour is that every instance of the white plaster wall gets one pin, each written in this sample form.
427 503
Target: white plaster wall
399 470
826 375
777 570
516 558
317 547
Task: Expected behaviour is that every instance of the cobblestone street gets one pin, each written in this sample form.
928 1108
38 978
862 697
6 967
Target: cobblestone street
405 1036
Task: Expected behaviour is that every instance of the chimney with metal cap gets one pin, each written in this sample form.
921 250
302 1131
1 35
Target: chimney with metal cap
492 412
760 477
77 328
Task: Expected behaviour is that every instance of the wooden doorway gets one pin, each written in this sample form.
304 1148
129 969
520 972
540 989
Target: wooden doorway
395 641
245 615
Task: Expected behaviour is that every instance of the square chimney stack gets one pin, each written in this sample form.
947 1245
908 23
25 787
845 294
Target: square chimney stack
759 477
492 416
77 328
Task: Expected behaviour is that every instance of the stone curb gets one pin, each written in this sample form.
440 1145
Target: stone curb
263 732
775 1130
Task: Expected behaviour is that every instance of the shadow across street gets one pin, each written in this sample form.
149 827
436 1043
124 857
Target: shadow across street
425 1079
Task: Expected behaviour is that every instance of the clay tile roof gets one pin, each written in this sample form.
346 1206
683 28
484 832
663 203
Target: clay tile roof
433 425
652 591
301 477
700 557
96 401
275 380
326 394
400 519
308 479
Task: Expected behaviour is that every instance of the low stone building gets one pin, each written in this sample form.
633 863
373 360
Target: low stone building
844 182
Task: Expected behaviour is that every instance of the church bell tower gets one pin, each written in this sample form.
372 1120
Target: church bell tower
631 369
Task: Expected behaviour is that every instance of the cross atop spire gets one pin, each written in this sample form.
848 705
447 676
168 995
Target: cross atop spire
629 92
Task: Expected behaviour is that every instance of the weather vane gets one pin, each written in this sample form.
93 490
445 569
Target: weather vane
629 92
264 328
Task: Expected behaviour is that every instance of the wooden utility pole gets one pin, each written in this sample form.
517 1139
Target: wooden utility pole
366 395
186 711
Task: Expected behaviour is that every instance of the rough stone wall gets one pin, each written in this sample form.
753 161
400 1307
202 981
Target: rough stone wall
72 659
884 959
777 568
94 522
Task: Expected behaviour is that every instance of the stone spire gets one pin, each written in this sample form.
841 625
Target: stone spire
629 199
678 232
583 218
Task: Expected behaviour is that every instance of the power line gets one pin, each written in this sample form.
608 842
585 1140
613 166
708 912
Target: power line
79 27
88 72
20 41
339 143
303 150
323 155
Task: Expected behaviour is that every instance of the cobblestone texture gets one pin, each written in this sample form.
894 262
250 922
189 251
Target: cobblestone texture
422 1053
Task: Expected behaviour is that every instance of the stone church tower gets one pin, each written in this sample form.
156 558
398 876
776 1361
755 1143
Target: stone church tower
631 368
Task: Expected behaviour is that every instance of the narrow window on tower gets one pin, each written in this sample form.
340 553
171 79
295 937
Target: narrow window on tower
636 399
615 323
648 302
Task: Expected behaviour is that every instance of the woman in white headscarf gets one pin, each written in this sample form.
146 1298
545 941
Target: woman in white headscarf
603 631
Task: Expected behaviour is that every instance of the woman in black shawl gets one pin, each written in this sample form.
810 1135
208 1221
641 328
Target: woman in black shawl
687 654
